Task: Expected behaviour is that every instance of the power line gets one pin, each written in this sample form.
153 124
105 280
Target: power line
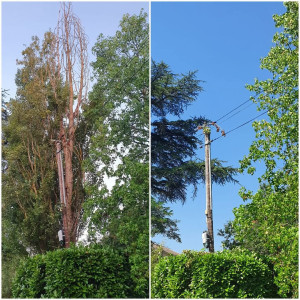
241 125
232 110
237 112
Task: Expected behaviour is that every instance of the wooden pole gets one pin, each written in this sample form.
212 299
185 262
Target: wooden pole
208 212
62 190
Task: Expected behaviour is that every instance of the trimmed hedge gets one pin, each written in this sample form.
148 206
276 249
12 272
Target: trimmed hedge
225 274
77 272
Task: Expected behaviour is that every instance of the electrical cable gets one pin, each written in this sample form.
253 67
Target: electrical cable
241 125
233 110
237 113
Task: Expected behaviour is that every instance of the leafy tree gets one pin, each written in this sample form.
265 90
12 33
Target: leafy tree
4 111
29 193
4 118
270 220
161 223
174 144
118 114
30 196
228 233
12 251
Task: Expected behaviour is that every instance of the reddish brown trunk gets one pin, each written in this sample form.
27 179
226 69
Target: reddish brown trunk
69 46
69 191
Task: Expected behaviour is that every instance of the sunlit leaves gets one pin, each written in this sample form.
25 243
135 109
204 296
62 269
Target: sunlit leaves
118 122
269 223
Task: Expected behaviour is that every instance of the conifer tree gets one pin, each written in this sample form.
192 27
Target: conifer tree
174 144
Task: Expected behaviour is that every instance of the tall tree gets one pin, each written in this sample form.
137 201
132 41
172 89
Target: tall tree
31 203
29 183
68 70
118 111
269 223
174 143
12 250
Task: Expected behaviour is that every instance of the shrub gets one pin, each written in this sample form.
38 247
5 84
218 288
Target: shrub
228 274
77 272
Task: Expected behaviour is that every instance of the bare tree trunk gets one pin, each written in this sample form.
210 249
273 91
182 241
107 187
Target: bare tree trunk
68 68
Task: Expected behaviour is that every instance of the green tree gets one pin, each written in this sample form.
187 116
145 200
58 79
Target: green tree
29 184
161 222
4 118
12 251
118 114
30 196
269 223
228 233
174 144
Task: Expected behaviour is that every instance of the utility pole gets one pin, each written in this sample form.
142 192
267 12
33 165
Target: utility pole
62 192
208 211
208 236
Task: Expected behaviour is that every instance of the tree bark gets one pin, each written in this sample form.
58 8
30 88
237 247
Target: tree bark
69 67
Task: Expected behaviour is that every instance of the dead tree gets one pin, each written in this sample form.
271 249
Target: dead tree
68 72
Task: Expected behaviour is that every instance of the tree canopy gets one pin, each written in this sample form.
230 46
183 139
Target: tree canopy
117 187
268 224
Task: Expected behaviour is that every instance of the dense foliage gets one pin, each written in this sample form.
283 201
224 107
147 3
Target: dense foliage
174 143
77 272
225 274
268 224
30 193
118 115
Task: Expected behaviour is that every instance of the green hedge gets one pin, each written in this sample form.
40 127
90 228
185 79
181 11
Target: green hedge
77 272
220 275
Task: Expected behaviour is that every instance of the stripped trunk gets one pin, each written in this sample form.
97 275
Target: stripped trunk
68 70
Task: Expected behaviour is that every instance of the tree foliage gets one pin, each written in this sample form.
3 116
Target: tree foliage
30 195
29 182
118 112
229 235
161 222
269 223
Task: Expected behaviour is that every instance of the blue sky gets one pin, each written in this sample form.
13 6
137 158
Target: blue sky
224 41
22 20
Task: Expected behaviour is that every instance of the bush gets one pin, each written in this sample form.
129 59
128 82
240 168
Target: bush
77 272
228 274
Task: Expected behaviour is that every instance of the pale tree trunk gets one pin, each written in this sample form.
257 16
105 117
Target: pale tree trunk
68 68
